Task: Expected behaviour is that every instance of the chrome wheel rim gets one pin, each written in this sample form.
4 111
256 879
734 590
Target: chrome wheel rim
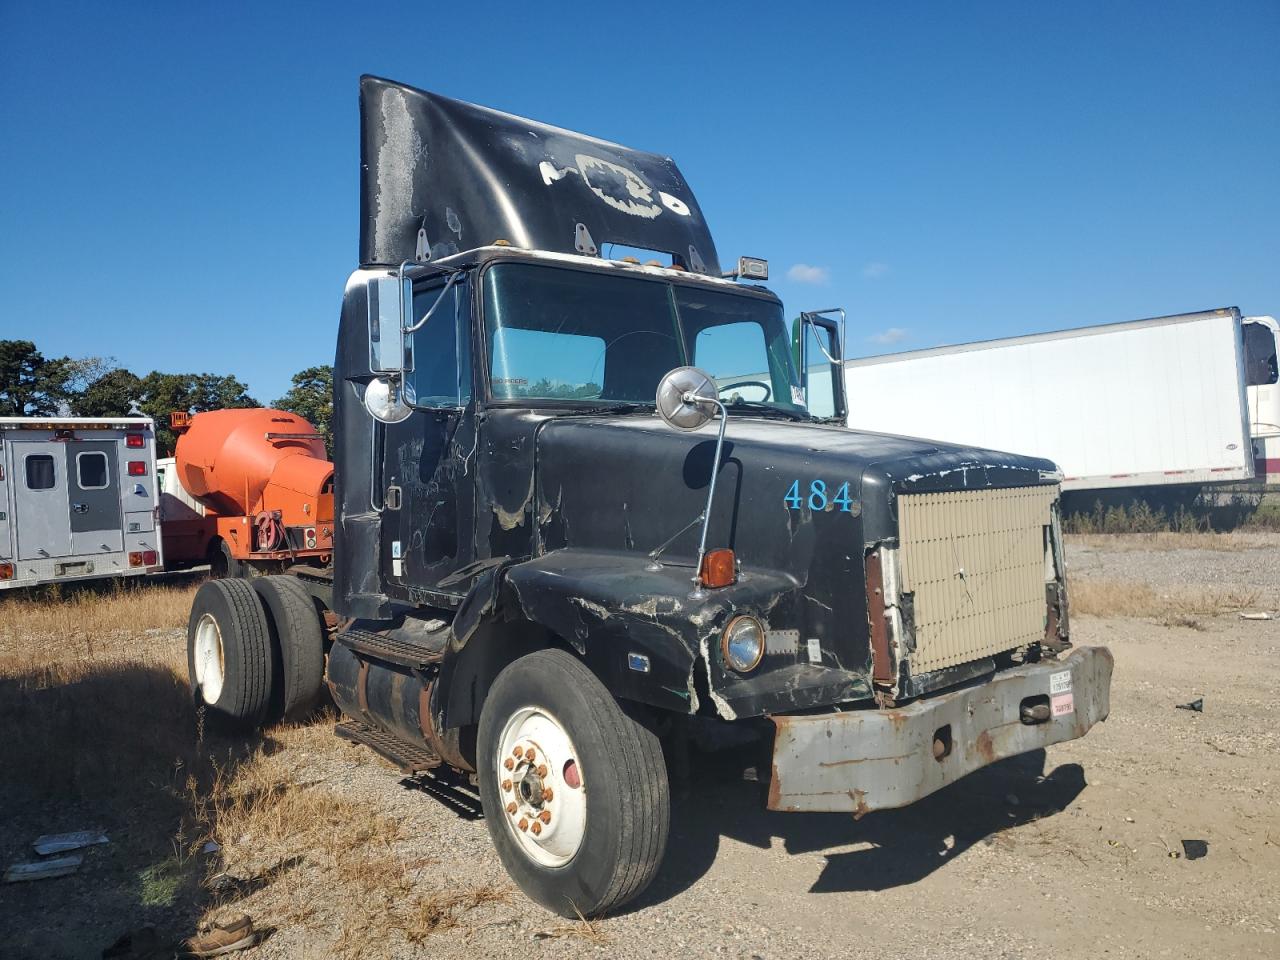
541 787
210 660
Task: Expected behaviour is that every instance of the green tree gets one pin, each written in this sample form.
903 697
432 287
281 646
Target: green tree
164 393
558 390
111 394
30 384
311 397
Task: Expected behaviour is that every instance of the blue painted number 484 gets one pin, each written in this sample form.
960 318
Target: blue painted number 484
817 497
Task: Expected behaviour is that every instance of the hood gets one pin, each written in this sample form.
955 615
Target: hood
440 176
800 505
780 484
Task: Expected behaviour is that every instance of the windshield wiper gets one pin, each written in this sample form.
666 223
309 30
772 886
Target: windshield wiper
759 406
621 406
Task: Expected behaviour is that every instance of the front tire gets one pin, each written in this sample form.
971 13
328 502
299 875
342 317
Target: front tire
229 660
582 827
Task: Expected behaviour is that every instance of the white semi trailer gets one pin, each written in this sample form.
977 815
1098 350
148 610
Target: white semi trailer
1264 397
1151 403
77 499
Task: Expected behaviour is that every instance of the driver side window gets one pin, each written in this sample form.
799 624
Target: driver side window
439 352
732 354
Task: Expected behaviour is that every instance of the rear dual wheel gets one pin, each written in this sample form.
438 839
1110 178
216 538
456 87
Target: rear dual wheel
574 790
297 644
229 656
255 650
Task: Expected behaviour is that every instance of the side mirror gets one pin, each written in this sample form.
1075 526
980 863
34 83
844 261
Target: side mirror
819 355
687 398
390 312
384 400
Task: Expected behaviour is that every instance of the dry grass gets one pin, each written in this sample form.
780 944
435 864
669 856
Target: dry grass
300 854
581 929
1246 506
1167 540
446 909
100 730
89 617
1115 598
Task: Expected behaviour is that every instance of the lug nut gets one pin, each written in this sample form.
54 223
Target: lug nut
528 754
524 824
509 763
511 808
537 828
545 816
506 784
542 770
546 794
518 751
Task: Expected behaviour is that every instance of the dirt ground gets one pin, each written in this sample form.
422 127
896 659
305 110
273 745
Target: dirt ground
1077 852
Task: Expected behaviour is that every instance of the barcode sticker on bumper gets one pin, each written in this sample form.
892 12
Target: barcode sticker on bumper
1063 704
1060 682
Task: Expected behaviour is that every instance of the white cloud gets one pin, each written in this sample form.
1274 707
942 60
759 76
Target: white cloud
803 273
892 335
875 270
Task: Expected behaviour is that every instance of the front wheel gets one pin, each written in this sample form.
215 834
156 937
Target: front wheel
574 790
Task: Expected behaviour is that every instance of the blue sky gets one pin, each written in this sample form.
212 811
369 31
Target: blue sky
180 180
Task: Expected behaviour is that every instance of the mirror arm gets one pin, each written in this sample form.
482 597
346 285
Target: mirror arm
698 593
817 313
655 555
839 398
453 278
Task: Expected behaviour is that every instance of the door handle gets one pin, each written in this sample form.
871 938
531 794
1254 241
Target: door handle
80 507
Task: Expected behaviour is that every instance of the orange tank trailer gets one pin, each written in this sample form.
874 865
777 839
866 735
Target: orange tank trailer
263 480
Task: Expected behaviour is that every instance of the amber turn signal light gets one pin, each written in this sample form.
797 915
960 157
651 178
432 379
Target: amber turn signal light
135 558
719 568
6 571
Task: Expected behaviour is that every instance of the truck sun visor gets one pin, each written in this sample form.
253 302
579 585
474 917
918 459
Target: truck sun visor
439 176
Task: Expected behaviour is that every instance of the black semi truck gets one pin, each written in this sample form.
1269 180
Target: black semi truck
585 514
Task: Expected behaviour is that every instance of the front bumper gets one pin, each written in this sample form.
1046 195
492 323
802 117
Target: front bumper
863 760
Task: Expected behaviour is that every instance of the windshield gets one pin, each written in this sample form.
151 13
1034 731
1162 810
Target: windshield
563 334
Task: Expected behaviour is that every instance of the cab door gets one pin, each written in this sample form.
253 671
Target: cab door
42 509
429 458
93 480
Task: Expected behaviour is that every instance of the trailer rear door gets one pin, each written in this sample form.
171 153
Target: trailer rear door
41 506
94 481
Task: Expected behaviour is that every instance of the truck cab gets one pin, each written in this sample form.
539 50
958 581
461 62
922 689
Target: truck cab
584 514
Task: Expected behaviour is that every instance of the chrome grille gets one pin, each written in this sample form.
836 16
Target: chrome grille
975 562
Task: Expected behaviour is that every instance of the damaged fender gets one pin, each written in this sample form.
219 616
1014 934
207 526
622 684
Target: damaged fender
633 626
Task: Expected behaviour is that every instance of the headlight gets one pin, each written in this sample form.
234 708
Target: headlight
743 644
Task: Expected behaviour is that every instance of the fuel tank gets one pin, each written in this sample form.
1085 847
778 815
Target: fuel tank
242 462
397 699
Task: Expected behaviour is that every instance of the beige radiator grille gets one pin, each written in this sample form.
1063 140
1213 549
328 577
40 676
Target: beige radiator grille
974 560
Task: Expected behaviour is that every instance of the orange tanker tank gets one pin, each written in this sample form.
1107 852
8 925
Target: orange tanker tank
264 482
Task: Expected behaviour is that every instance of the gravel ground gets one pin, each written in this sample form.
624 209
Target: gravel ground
1061 854
1252 563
